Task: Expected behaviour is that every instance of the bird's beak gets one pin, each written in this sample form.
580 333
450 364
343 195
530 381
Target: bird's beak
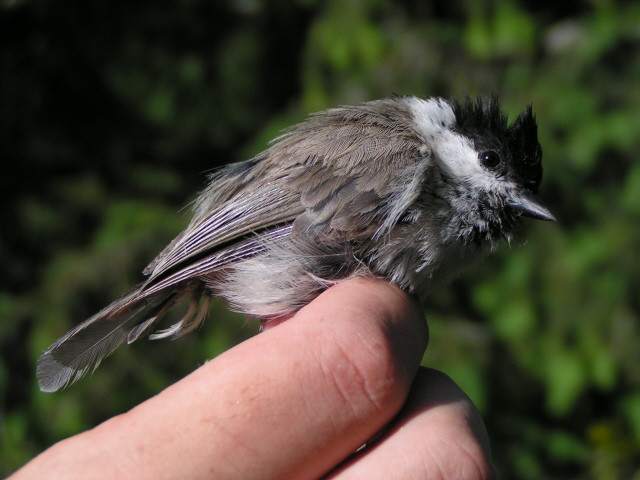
529 206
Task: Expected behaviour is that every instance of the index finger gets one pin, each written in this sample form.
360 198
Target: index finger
291 402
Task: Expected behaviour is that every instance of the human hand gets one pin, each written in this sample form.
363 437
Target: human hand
295 402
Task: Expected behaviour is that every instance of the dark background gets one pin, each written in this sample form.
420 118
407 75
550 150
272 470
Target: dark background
112 113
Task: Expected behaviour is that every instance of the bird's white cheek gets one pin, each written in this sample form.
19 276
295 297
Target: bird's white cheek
456 156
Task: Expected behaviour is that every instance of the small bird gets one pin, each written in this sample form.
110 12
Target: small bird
405 189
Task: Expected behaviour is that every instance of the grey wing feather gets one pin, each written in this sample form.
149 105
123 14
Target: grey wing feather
264 207
219 259
339 161
339 170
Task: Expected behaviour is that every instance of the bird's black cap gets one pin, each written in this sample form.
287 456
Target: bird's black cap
486 125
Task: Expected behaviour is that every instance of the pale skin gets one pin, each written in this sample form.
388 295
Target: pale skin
295 402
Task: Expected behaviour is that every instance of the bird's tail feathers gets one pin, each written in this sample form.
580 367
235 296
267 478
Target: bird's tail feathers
132 316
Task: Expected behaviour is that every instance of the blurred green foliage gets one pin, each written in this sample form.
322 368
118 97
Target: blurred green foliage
111 113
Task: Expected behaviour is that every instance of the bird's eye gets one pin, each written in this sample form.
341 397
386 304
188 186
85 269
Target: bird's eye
490 159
